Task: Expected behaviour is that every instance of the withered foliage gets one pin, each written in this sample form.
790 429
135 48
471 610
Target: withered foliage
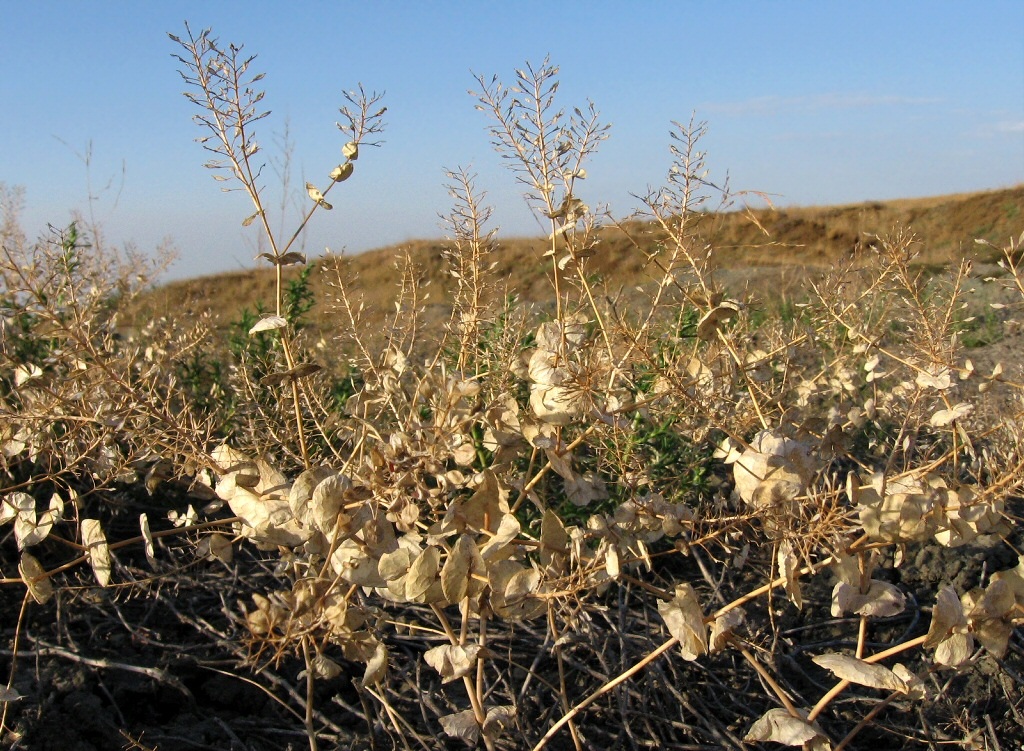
518 468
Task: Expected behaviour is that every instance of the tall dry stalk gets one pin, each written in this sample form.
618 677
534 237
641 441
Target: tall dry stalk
223 87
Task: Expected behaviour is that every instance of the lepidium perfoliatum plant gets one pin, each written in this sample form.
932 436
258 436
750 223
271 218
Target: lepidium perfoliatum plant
645 516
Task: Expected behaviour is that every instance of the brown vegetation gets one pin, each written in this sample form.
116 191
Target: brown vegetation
630 508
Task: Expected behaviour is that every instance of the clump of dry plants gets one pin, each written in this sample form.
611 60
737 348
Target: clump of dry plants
536 529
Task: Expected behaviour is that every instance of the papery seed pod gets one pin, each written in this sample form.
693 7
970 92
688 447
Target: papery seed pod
97 549
287 259
34 575
147 537
302 370
779 726
376 666
324 667
452 661
317 196
350 151
268 323
714 318
684 619
314 192
461 725
342 172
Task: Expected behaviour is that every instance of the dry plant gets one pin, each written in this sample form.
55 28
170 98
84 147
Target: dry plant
530 523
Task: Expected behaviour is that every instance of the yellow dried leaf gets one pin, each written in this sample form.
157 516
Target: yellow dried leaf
342 172
789 567
612 562
685 621
728 450
34 575
947 615
8 694
512 587
268 323
325 667
583 489
723 629
948 630
779 726
30 529
24 516
955 649
554 539
376 666
904 514
290 258
944 417
147 537
218 547
422 573
484 510
301 491
452 661
25 373
463 571
937 378
507 531
556 405
8 509
773 470
882 600
461 725
355 565
1014 578
915 687
497 719
327 502
464 454
314 192
714 318
395 565
98 551
863 673
990 614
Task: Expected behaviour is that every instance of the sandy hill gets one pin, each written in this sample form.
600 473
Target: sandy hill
784 239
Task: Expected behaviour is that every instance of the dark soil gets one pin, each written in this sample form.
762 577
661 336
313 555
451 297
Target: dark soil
163 665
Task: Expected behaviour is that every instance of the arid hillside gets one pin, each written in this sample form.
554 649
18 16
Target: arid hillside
752 246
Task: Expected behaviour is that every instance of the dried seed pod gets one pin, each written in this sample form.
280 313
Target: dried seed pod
342 172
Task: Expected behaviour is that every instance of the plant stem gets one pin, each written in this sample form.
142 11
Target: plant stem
772 683
619 679
14 656
310 696
562 691
475 699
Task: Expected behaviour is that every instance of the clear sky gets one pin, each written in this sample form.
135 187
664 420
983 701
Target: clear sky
812 102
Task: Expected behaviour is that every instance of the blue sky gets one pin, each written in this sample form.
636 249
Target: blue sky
813 103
